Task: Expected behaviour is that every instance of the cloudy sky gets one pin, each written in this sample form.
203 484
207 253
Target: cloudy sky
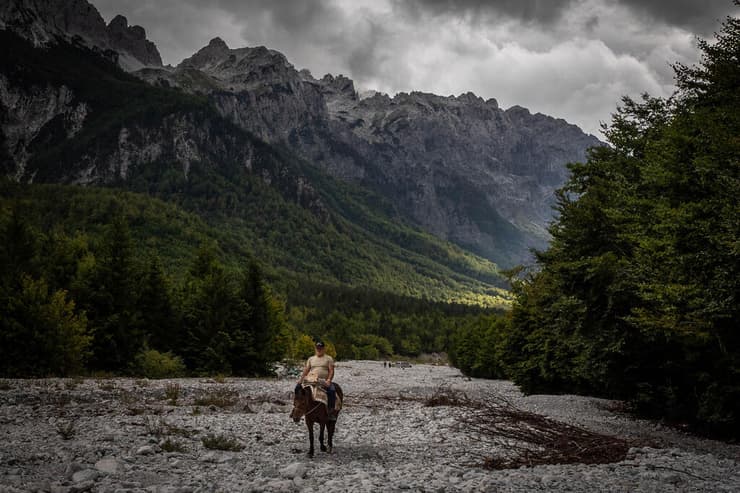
572 59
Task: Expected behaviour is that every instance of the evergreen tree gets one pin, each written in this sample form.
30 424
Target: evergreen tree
637 295
110 297
158 317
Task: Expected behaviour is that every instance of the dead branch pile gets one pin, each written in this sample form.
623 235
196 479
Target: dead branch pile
446 396
522 438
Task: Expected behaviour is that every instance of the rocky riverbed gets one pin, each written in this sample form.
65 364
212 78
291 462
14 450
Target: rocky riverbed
68 435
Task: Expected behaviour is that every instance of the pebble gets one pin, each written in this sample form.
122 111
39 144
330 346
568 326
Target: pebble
386 440
108 465
145 450
85 475
294 470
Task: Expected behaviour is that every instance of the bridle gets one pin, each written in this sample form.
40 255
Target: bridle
315 407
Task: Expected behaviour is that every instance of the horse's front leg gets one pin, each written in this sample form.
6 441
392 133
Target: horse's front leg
309 423
321 436
330 428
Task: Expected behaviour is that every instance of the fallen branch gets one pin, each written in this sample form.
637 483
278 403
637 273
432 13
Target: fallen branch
522 438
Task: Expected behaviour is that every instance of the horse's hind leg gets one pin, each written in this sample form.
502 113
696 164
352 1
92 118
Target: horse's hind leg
310 437
321 437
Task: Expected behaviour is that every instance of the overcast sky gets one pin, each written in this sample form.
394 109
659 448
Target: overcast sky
571 59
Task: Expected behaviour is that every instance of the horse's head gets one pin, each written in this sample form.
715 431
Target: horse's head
300 404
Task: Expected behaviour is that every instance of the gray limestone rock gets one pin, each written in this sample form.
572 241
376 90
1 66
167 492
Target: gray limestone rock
85 475
108 465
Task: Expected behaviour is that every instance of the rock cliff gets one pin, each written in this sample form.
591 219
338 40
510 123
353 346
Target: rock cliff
44 21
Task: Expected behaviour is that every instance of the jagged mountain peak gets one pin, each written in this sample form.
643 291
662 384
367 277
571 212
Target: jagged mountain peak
218 43
238 65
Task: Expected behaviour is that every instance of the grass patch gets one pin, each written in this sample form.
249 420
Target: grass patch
222 442
221 397
170 445
73 383
172 393
161 428
106 385
66 429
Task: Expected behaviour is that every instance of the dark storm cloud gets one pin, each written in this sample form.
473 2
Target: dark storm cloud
699 16
541 11
568 58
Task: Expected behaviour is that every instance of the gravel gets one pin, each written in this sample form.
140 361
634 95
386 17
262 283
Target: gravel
125 435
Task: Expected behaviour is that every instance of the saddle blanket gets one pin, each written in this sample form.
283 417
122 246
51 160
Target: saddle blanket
318 393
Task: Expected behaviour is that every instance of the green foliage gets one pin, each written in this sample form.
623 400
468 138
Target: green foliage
41 332
302 348
150 363
637 296
476 346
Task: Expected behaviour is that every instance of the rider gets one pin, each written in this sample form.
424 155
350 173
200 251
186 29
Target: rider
320 367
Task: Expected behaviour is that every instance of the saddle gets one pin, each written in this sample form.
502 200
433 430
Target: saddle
318 393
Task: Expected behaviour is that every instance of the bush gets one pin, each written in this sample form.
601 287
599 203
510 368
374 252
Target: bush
170 445
151 363
220 397
172 393
222 442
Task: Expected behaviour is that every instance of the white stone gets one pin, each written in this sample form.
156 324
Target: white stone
108 465
145 450
294 470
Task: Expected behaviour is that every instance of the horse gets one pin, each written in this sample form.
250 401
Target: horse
315 412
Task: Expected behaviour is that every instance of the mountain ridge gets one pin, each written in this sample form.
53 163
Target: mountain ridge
459 167
414 148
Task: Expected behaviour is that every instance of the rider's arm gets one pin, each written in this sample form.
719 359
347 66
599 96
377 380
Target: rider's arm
306 369
331 373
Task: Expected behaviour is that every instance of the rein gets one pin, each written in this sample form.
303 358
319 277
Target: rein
314 408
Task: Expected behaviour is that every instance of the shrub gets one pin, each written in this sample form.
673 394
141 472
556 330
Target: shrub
220 397
66 429
151 363
173 446
222 442
172 392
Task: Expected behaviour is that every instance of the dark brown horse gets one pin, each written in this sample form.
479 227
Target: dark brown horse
315 412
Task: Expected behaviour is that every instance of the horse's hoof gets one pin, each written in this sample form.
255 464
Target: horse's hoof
310 453
331 450
323 448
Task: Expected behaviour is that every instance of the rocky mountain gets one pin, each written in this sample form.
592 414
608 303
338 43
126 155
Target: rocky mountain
459 167
44 21
72 117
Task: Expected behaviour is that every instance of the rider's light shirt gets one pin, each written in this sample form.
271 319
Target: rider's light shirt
319 367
